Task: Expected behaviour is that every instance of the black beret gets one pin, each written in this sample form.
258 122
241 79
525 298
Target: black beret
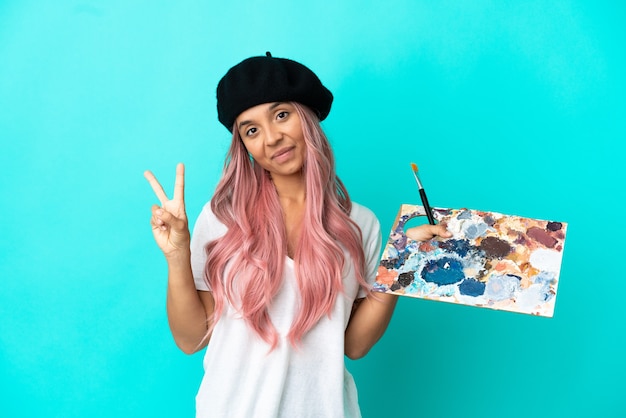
266 79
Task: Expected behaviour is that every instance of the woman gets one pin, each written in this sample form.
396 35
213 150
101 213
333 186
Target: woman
275 281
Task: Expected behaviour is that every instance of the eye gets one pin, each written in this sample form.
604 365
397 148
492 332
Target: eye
282 114
251 131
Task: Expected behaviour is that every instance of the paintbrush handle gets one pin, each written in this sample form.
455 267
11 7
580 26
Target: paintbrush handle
429 212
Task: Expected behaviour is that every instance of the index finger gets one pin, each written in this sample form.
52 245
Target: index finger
156 186
179 184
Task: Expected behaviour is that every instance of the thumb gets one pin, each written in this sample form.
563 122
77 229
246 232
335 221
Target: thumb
167 218
441 230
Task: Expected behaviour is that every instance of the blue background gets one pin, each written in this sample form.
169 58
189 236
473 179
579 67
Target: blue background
515 107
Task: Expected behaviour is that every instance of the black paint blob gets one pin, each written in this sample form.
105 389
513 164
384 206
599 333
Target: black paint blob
405 279
554 226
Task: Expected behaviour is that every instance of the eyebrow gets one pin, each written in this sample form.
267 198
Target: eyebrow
248 122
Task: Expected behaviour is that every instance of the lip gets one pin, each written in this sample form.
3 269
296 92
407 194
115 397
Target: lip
281 152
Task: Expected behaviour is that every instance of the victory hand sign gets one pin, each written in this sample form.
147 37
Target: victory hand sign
169 221
188 310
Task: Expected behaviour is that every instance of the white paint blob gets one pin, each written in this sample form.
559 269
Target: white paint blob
547 260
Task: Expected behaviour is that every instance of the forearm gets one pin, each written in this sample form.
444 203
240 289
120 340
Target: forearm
187 315
368 323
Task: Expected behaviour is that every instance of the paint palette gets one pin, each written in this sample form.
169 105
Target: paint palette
492 261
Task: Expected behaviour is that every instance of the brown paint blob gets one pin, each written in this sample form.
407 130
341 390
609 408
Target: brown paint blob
541 236
495 247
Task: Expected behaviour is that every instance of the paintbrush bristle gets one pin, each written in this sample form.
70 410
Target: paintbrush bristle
414 167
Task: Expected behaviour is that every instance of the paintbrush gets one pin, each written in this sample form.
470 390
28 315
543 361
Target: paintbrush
429 212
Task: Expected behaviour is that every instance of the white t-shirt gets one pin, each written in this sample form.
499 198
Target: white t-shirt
242 378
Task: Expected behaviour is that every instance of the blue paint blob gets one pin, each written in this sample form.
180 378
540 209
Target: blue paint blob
396 262
457 246
403 220
466 214
476 230
502 287
443 271
472 287
545 278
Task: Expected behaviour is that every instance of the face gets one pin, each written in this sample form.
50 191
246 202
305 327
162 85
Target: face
272 134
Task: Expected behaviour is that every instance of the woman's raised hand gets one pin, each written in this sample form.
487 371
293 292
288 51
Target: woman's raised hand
169 221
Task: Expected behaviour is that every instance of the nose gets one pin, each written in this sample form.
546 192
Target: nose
273 135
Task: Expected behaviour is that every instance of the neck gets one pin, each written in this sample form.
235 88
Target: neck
290 189
292 197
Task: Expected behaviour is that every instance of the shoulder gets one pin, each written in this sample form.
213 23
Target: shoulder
207 223
364 217
207 215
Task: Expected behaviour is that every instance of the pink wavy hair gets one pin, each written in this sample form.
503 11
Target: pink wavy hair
245 266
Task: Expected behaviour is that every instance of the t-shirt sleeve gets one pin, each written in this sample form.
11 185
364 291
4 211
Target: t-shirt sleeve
206 228
372 241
